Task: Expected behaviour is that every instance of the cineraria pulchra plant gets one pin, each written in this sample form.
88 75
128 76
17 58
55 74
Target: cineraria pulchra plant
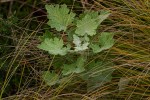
79 32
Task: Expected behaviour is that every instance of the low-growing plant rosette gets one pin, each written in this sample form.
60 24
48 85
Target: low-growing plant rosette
79 32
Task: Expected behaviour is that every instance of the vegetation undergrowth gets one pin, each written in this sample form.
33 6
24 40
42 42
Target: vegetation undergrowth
121 71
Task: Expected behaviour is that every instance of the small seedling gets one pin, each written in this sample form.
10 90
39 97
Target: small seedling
79 32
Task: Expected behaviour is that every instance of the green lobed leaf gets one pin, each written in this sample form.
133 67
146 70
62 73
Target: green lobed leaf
54 46
92 14
86 25
106 41
68 69
50 78
80 64
59 16
89 22
76 67
47 34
